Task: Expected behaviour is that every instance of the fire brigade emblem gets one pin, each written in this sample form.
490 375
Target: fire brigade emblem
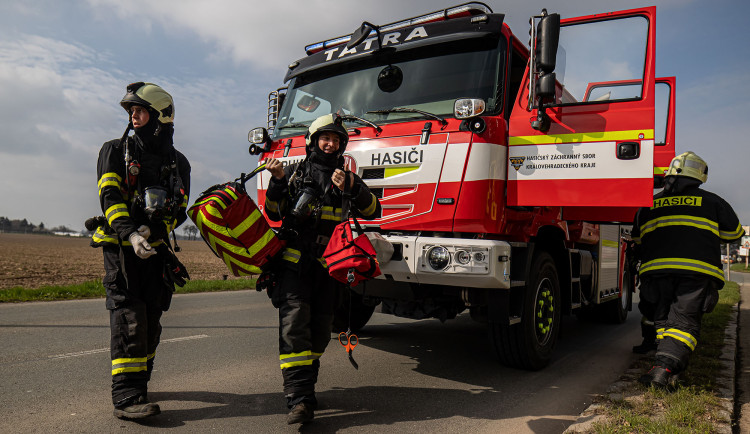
350 163
517 162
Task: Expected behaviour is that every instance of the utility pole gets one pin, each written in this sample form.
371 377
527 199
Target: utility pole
729 263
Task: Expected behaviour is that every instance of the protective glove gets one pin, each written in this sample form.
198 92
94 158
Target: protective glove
141 246
144 231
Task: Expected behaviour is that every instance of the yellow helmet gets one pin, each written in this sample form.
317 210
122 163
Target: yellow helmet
152 97
688 164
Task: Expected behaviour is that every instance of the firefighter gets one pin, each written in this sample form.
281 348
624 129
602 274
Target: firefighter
680 239
143 191
307 199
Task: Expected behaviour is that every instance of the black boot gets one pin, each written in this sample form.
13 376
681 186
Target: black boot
663 378
300 413
645 346
137 408
659 377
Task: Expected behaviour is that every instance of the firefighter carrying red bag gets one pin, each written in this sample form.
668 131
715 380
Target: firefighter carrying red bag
308 199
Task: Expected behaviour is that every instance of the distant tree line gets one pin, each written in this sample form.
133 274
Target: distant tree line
23 226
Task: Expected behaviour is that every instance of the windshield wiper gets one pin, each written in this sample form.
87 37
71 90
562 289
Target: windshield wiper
363 121
292 126
440 119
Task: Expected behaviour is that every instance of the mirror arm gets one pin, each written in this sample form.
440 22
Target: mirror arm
542 121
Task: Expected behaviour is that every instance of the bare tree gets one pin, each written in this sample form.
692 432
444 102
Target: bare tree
190 231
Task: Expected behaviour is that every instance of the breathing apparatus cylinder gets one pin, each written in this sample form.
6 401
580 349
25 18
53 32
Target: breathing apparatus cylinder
307 200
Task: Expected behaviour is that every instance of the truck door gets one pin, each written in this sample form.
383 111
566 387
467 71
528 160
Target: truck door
597 157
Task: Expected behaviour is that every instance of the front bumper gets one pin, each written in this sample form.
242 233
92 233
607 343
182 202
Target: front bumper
488 267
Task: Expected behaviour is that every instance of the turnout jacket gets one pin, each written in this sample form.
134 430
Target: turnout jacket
683 231
116 199
311 235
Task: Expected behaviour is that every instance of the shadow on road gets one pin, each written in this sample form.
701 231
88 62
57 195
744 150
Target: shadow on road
457 351
339 409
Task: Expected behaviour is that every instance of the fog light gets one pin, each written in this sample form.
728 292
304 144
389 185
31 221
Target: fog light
479 256
438 257
462 257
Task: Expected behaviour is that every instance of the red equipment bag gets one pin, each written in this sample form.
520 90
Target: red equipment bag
234 228
351 260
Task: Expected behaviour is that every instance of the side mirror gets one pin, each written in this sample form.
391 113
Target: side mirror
260 141
545 85
362 33
547 38
544 57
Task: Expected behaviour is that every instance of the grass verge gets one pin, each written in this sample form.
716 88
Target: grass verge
740 267
94 289
695 405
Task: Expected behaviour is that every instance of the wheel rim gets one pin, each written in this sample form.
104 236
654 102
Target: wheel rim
544 311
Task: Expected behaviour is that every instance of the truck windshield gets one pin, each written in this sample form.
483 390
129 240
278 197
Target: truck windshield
428 80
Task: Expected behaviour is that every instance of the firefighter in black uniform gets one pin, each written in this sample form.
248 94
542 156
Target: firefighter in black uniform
143 192
307 198
680 239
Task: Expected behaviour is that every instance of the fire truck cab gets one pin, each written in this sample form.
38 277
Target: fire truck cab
508 176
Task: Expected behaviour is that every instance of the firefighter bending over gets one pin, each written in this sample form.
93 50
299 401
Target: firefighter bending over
679 240
143 192
307 198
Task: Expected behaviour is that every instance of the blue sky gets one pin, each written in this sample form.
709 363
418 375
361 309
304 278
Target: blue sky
64 67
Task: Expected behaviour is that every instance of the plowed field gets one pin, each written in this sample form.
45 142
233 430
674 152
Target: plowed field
32 261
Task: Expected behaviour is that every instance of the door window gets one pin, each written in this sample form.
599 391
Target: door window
602 61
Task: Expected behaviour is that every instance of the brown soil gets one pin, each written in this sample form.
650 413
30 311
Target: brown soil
32 261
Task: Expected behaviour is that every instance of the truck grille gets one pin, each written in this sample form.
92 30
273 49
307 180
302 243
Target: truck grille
373 173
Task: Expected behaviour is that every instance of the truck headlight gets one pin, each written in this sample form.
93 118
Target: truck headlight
438 257
465 108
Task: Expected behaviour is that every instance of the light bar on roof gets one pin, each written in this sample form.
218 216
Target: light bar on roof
463 10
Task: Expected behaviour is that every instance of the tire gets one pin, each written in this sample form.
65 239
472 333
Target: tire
529 344
616 311
360 313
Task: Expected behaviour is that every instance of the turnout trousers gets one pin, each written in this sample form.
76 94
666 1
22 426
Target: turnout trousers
136 298
648 328
306 303
679 302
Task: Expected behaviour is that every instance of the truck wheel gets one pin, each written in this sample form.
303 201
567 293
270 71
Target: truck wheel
360 313
529 344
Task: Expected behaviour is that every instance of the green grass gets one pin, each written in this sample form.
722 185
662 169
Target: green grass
687 411
739 266
694 406
96 290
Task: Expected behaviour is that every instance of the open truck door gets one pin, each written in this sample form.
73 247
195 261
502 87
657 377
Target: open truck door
581 133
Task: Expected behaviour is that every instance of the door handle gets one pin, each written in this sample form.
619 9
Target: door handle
628 150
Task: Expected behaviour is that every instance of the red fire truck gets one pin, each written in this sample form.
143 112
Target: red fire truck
508 176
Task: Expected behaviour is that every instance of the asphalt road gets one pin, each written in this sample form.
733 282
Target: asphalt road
217 370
